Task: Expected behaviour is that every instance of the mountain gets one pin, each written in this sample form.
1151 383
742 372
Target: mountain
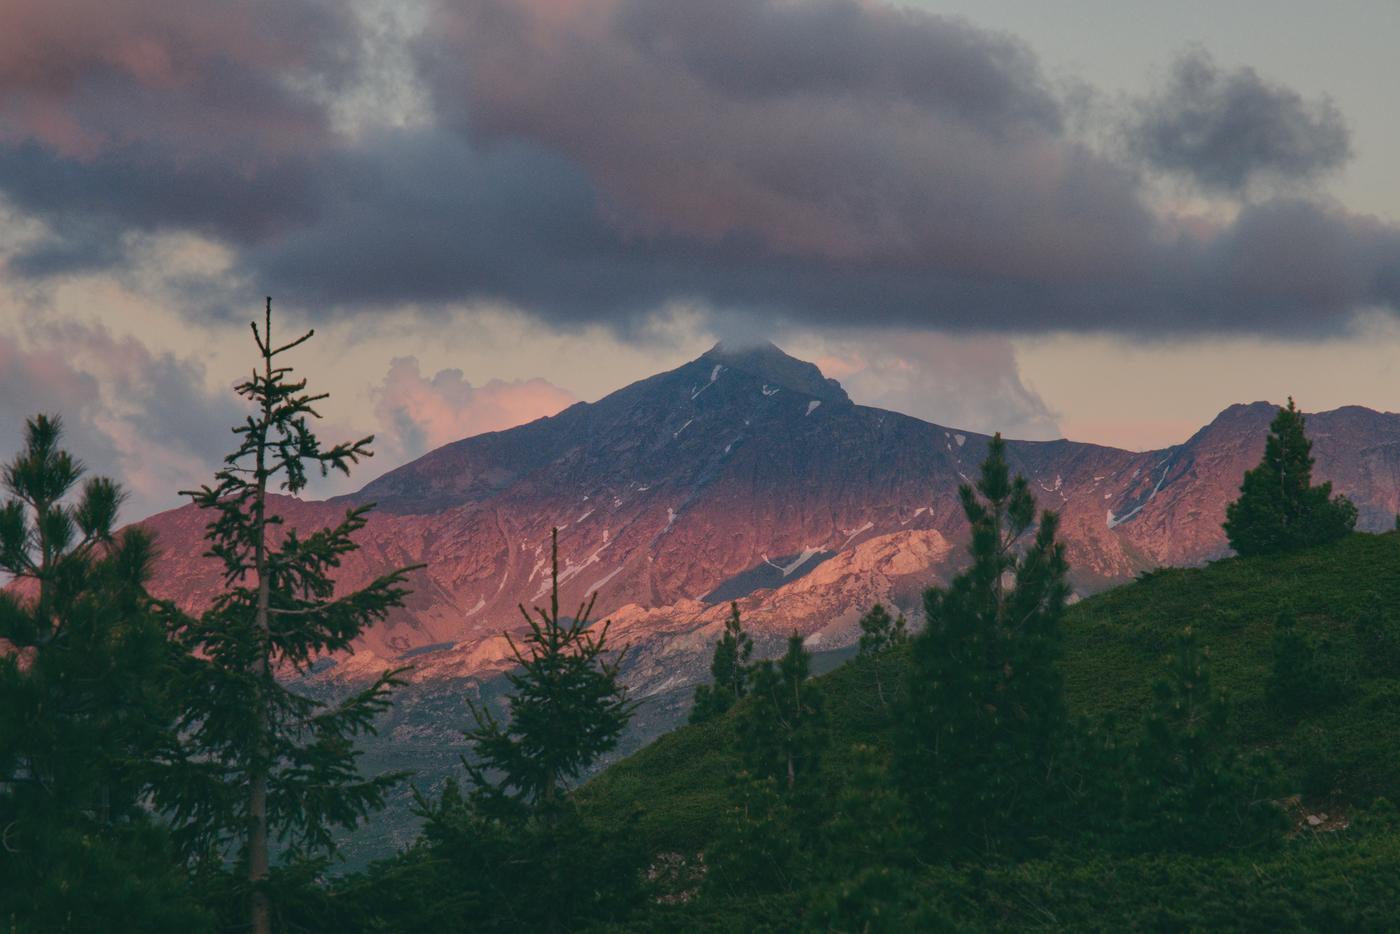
745 474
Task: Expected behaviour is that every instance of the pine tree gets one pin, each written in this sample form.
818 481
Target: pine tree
782 731
1190 788
729 671
84 710
261 760
1279 509
879 632
984 710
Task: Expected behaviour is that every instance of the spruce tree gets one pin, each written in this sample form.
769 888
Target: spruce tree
757 846
567 708
84 707
1279 509
984 713
729 671
880 632
262 761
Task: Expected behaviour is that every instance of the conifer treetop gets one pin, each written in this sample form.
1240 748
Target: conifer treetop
1279 509
567 708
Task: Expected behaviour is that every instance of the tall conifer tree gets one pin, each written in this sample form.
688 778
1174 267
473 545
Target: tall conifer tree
1279 509
984 712
782 731
262 761
729 671
84 710
880 632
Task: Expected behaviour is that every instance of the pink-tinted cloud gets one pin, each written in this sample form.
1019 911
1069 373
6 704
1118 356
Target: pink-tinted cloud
833 129
417 413
80 76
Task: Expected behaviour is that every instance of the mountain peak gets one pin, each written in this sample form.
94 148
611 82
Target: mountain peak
767 362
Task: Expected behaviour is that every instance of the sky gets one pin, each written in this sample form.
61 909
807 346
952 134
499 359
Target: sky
1098 220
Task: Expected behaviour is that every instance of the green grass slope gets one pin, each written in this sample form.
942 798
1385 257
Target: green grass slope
1345 596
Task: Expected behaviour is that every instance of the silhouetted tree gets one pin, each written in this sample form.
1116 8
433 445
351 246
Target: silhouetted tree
984 711
1279 509
84 707
261 760
880 632
567 708
729 671
868 858
782 730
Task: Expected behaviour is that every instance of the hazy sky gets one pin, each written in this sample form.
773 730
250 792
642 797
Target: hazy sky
1101 220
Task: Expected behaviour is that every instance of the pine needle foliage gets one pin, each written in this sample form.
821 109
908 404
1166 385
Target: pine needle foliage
84 705
984 713
729 671
782 729
880 632
260 760
567 708
1279 510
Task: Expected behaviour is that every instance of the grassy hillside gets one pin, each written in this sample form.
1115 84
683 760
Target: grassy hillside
1345 596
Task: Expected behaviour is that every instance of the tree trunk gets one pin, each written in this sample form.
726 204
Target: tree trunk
259 909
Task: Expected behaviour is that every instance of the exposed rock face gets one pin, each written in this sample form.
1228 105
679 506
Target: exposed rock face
746 474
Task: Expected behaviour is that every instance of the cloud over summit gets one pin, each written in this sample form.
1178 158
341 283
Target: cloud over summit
827 162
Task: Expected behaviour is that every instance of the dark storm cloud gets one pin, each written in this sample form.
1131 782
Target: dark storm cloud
1225 129
831 162
140 115
774 50
91 204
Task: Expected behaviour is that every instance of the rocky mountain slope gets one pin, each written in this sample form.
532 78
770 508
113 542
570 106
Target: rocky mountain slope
745 474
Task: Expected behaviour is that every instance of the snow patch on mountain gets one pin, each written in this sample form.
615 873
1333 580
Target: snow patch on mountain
598 585
807 554
864 528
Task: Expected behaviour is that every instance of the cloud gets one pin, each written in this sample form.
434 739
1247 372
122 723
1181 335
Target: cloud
144 116
829 163
145 419
972 383
831 129
417 413
1225 129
